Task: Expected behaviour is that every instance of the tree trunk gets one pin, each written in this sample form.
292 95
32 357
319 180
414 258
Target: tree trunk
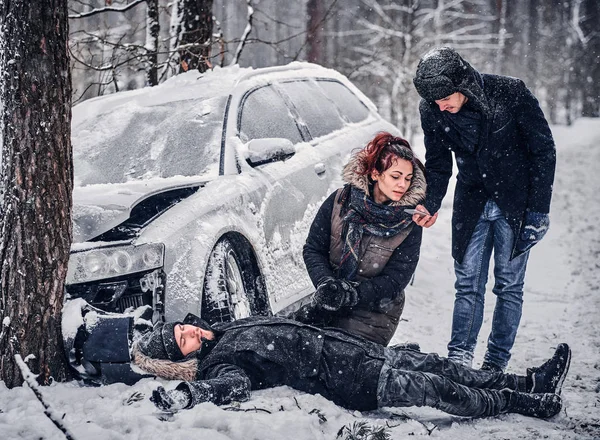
152 34
194 33
37 177
532 45
590 61
315 10
500 11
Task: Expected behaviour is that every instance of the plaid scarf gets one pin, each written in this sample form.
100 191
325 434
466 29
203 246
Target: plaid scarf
364 215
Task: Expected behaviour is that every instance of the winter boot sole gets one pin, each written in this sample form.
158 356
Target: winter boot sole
559 384
564 374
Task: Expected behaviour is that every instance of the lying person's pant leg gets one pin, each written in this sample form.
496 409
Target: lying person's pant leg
411 360
399 388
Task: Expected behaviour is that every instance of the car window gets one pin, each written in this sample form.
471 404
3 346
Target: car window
315 109
347 102
264 114
135 142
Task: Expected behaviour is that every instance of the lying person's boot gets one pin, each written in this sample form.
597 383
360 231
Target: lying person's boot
542 406
549 377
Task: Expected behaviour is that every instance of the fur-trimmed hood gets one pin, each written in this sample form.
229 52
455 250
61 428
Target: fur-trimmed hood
414 196
180 370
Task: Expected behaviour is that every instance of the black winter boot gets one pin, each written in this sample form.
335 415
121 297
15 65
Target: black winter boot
492 368
549 377
542 406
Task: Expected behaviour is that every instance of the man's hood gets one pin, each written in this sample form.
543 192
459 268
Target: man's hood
442 72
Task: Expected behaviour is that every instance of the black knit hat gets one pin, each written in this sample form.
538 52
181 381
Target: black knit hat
440 73
161 343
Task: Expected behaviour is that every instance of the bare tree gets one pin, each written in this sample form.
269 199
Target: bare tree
315 10
193 33
37 178
585 19
152 41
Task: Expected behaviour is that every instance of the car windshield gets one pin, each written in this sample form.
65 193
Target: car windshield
136 142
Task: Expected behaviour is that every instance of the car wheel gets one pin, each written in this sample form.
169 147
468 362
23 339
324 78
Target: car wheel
233 288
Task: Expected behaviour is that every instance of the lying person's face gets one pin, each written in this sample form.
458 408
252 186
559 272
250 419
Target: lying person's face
189 337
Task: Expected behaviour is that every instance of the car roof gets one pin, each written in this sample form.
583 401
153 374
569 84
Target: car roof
220 81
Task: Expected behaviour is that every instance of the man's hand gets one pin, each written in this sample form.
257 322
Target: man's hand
425 221
533 230
172 400
333 294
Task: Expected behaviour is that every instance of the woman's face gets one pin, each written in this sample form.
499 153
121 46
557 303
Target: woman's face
393 183
189 337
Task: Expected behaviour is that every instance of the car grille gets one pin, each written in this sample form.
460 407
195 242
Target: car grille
116 294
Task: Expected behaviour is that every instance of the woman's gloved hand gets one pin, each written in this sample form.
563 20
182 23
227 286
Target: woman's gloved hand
333 293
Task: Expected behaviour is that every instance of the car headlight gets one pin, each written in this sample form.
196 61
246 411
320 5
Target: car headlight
96 264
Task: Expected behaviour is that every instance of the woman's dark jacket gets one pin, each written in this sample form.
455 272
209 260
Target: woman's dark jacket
262 352
387 287
513 162
385 269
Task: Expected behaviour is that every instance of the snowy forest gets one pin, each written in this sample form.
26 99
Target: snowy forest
552 46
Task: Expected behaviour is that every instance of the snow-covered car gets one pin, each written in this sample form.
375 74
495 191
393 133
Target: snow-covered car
197 195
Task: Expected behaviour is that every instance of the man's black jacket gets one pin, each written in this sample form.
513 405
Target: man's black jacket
513 163
263 352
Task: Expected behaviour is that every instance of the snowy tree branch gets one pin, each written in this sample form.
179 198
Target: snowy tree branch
107 9
575 23
247 31
30 378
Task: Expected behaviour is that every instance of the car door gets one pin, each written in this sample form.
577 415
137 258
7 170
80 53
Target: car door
292 190
335 120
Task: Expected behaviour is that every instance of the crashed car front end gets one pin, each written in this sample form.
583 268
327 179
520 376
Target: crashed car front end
117 277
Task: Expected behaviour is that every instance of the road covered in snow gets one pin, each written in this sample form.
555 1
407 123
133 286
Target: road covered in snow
561 304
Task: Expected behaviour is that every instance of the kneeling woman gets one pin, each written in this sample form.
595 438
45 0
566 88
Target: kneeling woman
363 247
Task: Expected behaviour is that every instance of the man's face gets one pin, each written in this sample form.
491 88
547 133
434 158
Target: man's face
452 103
189 337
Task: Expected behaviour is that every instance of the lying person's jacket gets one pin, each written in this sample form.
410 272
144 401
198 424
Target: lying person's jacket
263 352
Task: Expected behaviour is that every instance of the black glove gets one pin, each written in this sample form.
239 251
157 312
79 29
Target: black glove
533 230
172 400
333 294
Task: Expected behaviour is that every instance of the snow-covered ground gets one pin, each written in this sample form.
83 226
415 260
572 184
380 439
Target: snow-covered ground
562 303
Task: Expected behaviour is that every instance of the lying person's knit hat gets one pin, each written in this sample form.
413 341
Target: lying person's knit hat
161 344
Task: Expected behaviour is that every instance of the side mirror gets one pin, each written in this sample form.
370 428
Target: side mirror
261 151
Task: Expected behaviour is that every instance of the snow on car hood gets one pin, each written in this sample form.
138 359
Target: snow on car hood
99 208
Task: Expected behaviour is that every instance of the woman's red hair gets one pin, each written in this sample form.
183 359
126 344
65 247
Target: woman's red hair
381 153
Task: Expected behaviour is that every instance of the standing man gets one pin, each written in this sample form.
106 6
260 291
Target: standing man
506 159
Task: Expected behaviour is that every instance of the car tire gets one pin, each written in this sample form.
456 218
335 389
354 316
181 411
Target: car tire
233 287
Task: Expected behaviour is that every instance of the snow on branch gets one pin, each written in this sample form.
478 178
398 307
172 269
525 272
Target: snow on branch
30 378
575 22
107 9
247 31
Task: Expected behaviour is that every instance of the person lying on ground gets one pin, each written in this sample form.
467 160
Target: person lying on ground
223 363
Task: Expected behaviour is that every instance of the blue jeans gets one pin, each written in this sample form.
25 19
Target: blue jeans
492 232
